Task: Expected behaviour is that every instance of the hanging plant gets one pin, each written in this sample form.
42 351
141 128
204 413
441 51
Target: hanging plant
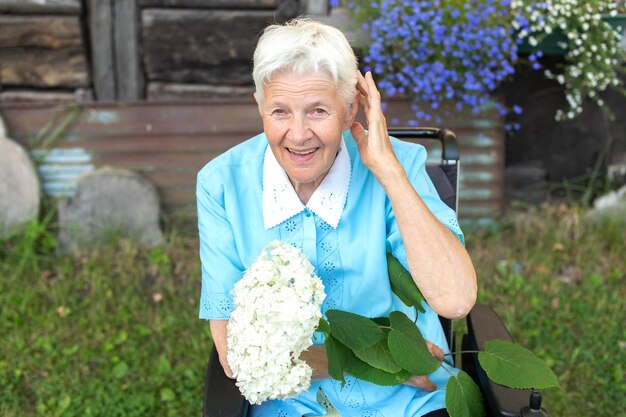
455 53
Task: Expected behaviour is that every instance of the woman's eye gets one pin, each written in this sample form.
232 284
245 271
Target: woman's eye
278 112
319 112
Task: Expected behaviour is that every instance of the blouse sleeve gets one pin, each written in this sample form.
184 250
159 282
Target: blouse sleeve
221 266
414 163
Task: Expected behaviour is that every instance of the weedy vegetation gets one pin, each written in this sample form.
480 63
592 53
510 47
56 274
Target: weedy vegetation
115 332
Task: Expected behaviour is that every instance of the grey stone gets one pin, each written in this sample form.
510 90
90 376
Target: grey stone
610 208
19 185
109 203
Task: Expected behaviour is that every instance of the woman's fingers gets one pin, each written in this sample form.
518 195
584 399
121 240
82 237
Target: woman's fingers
435 350
422 382
227 370
358 133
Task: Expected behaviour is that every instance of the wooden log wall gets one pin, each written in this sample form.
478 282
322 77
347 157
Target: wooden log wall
214 41
105 50
43 54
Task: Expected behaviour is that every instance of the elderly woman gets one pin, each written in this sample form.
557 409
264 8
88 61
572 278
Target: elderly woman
343 195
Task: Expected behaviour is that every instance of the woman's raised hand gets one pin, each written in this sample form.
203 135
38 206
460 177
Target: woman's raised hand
374 146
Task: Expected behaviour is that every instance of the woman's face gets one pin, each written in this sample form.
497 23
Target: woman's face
303 118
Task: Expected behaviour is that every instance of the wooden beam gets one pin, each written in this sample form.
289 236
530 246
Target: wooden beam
41 6
29 96
211 46
102 59
43 68
212 4
173 91
40 32
129 78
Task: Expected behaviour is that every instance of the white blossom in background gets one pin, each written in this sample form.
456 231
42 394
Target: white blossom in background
592 48
277 309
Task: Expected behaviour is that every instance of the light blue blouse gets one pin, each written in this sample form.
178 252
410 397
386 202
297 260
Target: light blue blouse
350 260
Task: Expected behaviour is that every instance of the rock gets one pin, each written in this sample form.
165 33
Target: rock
108 203
610 208
19 185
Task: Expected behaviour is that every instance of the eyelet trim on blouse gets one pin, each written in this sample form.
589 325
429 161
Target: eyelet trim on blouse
329 264
450 220
292 231
217 306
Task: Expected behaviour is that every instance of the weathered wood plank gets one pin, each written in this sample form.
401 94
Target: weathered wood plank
174 91
47 32
129 78
154 144
212 47
38 96
45 68
166 178
41 6
178 195
145 161
159 118
212 4
103 63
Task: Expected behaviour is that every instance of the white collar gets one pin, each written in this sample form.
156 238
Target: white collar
280 201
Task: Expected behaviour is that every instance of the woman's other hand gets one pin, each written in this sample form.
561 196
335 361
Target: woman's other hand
315 357
422 381
219 335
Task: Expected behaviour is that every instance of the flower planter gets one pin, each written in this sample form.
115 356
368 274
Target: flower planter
549 45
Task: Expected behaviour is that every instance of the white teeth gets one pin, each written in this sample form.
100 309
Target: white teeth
302 152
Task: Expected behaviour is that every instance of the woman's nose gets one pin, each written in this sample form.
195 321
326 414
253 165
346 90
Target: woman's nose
299 130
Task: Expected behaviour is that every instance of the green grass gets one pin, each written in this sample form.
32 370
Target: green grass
116 333
559 283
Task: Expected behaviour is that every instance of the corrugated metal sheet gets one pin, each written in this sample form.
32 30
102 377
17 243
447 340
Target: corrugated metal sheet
168 142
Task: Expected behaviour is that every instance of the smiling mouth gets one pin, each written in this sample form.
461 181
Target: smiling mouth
304 152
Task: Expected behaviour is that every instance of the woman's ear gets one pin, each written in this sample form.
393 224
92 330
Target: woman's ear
351 112
258 103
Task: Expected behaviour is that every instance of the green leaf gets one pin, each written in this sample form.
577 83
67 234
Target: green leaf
120 370
463 398
361 370
378 356
323 326
381 321
64 404
353 330
336 353
163 366
515 366
408 347
402 284
167 394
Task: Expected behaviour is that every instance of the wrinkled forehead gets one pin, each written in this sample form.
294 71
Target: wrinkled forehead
304 85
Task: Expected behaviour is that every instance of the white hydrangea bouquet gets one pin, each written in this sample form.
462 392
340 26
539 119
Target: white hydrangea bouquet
277 309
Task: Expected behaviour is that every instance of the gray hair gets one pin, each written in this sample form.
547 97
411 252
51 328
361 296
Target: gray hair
305 47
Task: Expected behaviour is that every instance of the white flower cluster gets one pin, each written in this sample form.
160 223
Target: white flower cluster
592 48
277 308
